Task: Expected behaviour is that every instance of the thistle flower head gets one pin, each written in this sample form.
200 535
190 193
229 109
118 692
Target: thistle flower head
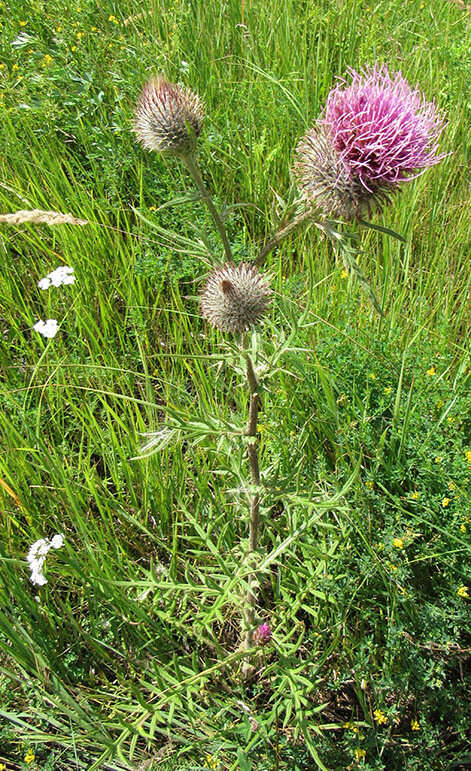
384 130
168 117
324 179
235 297
375 133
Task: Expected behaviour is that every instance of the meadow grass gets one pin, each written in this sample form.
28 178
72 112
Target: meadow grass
128 658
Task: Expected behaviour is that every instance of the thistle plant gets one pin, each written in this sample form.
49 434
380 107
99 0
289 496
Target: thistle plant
375 134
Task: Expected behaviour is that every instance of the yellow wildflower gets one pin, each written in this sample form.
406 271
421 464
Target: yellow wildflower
463 527
47 59
414 724
451 486
415 495
80 35
392 567
445 502
113 19
468 455
3 767
23 23
359 753
344 274
380 717
440 404
450 419
29 757
73 48
369 484
372 376
398 543
387 390
210 762
463 591
432 371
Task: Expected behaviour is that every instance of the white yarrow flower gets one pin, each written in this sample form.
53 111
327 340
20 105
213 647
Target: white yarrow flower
46 328
38 550
61 275
57 541
37 554
37 577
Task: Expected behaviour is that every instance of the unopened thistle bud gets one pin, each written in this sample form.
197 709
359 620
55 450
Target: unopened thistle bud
168 118
235 297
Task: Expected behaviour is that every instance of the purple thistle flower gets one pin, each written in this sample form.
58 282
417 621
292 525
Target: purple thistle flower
383 129
262 635
374 133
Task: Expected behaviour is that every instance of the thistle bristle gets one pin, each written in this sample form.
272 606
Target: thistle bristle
325 181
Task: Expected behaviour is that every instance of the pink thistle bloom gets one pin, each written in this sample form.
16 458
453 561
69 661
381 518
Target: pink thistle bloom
384 130
262 635
375 133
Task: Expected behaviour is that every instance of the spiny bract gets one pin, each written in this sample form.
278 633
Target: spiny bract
235 297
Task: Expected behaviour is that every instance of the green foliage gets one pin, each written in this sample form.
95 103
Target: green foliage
128 657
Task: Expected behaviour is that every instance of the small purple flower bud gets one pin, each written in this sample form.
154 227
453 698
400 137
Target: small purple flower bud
263 634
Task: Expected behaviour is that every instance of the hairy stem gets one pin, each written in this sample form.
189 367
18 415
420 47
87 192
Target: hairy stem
254 525
193 169
295 223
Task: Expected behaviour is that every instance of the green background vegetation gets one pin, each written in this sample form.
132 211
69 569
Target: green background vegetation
129 657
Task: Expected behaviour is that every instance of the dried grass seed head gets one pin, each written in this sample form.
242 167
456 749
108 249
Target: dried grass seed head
235 297
168 117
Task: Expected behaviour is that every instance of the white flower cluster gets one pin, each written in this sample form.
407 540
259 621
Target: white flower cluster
37 555
46 328
59 276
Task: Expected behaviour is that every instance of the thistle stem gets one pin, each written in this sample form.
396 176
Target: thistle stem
295 223
254 524
193 169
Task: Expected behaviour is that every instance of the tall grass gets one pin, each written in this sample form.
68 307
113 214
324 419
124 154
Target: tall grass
128 656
